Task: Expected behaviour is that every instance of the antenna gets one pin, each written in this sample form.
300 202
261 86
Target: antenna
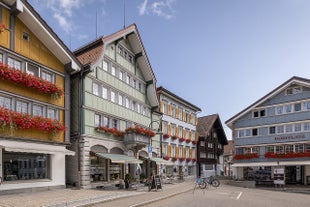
124 14
96 26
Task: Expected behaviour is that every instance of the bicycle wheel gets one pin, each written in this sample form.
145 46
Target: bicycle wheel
203 185
215 183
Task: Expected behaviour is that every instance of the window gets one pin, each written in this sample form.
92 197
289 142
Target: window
272 130
203 155
127 79
293 90
165 127
173 129
254 132
280 129
112 96
306 106
270 149
95 89
181 131
25 166
297 107
288 108
127 103
307 126
104 92
187 152
288 128
180 152
52 113
105 121
259 113
37 110
297 127
14 63
289 148
113 71
5 102
97 120
105 65
114 123
279 110
247 132
202 143
173 150
240 133
210 156
165 149
255 150
47 76
180 113
239 151
1 57
307 147
279 149
120 99
165 107
210 145
120 75
172 110
299 148
32 70
22 107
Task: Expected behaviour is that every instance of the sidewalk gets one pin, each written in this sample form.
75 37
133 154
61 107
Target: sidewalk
70 197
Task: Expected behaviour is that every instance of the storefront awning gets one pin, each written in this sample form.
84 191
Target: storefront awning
27 147
161 161
117 158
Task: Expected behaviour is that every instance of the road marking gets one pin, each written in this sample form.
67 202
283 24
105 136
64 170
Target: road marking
239 196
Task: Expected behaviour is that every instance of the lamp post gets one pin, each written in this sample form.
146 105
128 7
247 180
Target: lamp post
150 155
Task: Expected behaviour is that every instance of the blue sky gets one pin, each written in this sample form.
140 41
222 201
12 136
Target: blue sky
221 55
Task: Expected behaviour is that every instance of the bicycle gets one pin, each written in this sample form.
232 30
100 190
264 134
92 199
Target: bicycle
200 183
210 181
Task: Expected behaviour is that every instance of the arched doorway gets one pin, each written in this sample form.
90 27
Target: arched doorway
98 169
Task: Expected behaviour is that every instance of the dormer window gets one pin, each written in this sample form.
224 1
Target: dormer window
293 90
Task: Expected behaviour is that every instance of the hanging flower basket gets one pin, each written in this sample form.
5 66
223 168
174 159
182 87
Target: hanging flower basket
27 80
166 136
16 120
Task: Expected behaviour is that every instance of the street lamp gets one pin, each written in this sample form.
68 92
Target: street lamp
150 154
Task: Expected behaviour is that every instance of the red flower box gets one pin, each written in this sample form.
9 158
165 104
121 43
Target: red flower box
24 79
188 140
182 159
9 118
140 130
248 156
166 136
174 159
174 137
194 159
182 139
188 159
111 131
287 155
194 141
166 157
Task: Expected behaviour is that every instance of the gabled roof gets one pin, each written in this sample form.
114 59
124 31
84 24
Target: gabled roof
291 81
205 125
94 52
177 98
26 13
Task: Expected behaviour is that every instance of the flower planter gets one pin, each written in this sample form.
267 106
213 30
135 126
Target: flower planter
166 157
182 139
188 140
26 80
194 141
287 155
188 159
246 156
166 136
110 131
182 159
174 137
140 130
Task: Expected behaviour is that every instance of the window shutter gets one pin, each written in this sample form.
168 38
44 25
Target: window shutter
196 135
184 152
169 150
184 116
177 131
177 115
190 153
169 109
190 118
161 107
190 134
177 151
169 129
196 121
184 133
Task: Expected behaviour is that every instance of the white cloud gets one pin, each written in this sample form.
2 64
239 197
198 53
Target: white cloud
161 8
142 8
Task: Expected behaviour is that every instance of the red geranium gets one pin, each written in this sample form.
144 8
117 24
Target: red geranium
9 118
188 159
182 139
111 131
194 141
188 140
140 130
247 156
24 79
287 155
166 136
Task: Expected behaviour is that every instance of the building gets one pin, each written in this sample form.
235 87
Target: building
210 148
273 135
228 156
35 69
180 138
114 114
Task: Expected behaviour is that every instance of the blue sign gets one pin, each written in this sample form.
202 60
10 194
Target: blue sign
150 149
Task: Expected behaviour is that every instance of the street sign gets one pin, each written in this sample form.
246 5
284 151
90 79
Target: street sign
279 177
150 151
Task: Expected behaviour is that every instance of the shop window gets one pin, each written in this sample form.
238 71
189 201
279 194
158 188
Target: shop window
97 168
116 171
25 166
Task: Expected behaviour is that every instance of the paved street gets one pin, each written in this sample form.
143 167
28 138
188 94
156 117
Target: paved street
225 195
